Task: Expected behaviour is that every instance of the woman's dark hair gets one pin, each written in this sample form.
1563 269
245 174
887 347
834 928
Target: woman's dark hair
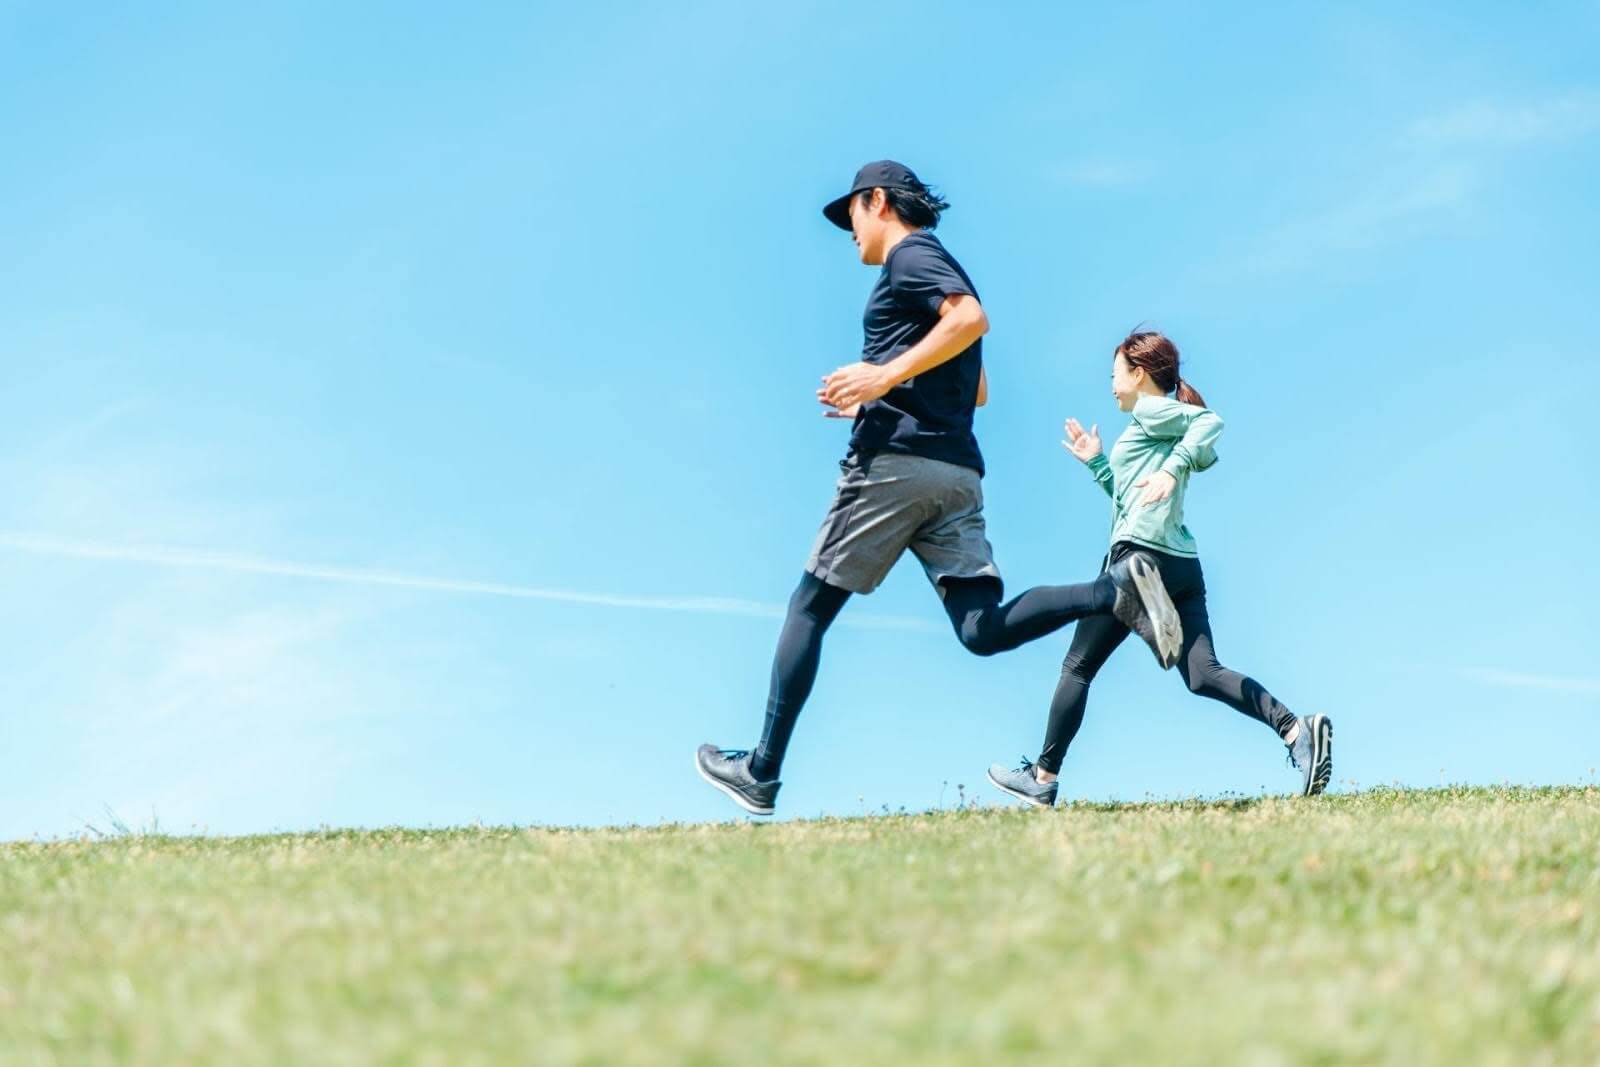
1158 356
920 207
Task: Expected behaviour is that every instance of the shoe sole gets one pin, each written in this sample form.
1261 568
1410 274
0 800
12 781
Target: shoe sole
1321 754
1008 791
729 791
1158 605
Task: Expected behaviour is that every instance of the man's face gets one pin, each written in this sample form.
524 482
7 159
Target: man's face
868 225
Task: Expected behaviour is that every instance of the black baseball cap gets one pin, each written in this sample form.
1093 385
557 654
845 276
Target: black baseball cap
884 174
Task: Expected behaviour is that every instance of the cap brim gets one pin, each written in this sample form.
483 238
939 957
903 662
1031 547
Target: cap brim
838 212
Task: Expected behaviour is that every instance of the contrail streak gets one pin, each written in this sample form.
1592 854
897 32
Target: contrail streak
195 559
1554 683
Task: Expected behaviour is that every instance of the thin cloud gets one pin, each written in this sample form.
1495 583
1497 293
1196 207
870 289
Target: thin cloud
194 559
1445 158
1546 682
1104 174
1383 213
1558 118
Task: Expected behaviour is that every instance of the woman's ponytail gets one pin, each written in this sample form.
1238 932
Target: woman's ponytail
1158 357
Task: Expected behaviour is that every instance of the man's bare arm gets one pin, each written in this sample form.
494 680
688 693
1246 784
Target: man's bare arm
961 322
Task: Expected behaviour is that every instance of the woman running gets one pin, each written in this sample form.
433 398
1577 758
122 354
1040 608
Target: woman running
1146 476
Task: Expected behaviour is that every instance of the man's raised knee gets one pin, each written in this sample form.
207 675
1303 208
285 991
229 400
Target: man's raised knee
978 642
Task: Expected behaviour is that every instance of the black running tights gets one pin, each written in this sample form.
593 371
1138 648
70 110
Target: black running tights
982 624
1096 638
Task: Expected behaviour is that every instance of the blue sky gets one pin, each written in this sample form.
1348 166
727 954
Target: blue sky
409 418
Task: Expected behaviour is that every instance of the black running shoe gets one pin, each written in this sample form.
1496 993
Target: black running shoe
729 771
1312 753
1021 783
1144 607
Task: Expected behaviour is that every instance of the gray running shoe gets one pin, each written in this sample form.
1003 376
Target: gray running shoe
1312 753
729 771
1144 607
1020 783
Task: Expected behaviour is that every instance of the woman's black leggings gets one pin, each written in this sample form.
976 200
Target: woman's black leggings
983 625
1098 636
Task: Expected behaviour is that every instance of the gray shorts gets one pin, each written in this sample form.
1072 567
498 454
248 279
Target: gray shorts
888 502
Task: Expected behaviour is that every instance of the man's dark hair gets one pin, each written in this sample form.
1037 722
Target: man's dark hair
919 207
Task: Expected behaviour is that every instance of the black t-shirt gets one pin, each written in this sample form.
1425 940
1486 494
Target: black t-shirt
930 415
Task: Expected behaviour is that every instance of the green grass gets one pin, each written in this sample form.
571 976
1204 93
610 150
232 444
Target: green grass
1456 925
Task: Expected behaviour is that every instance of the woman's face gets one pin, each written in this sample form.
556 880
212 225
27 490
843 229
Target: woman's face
1125 382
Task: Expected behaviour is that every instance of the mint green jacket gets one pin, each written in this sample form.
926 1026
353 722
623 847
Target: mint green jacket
1163 436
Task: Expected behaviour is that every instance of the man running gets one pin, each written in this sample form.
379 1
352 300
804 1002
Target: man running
912 479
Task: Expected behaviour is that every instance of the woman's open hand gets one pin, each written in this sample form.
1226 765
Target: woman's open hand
1156 488
1085 444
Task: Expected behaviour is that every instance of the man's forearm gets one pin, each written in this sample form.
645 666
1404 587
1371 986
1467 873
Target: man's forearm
944 342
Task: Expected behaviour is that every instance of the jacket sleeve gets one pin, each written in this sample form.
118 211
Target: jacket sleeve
1194 429
1100 471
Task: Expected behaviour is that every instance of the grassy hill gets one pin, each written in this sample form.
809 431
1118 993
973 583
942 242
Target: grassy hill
1455 925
